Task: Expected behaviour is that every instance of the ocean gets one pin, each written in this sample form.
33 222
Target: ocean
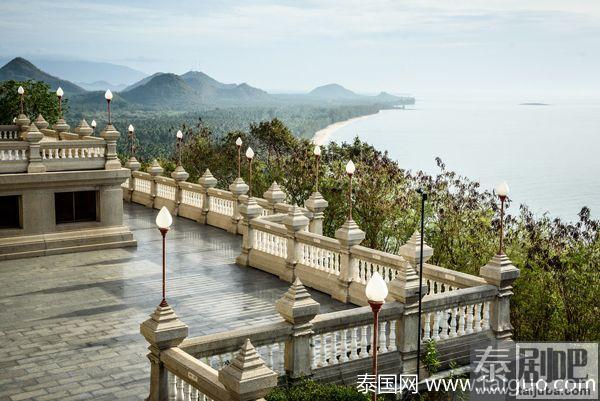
548 154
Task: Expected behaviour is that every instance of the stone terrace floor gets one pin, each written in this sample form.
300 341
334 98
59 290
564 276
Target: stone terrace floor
69 324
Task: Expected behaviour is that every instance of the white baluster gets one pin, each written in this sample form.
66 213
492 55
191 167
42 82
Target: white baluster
363 342
461 320
392 340
453 322
469 329
477 320
195 394
486 315
444 325
322 350
343 339
334 349
187 391
436 326
426 323
353 343
382 338
171 386
270 362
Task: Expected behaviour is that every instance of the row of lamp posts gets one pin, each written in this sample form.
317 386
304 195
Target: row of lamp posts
376 289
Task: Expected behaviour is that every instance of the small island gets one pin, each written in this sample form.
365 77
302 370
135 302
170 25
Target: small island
534 104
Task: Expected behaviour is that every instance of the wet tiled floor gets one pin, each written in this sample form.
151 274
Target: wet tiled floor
69 324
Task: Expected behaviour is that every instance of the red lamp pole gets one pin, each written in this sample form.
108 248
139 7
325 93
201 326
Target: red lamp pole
350 198
502 199
239 149
375 307
163 232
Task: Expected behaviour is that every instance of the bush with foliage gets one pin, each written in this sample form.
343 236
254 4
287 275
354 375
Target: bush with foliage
38 100
309 390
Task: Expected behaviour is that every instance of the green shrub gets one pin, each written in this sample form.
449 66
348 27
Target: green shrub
309 390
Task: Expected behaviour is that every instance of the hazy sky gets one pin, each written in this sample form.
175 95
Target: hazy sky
534 48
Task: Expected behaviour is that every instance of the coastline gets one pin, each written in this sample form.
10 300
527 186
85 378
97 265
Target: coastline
322 136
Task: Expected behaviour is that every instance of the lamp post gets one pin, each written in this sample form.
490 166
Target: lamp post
21 93
317 153
179 139
164 221
250 156
376 292
350 169
502 192
131 130
59 94
93 127
108 96
238 143
423 199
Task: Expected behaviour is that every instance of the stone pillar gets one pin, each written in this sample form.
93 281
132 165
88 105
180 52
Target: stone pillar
41 123
405 289
298 308
237 188
349 235
500 271
294 221
247 378
155 171
179 175
110 135
274 195
23 123
163 330
411 251
133 165
316 205
249 210
83 129
207 181
34 136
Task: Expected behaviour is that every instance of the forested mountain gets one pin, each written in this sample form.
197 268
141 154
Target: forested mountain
19 69
333 91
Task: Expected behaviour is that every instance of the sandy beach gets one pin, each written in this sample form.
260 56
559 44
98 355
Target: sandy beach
322 136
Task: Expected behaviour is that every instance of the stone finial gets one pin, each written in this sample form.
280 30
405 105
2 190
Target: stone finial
155 168
499 271
40 122
247 377
250 209
296 306
164 329
274 194
61 126
23 122
295 220
132 164
83 129
412 250
207 180
238 187
405 286
350 233
33 134
110 135
179 174
316 203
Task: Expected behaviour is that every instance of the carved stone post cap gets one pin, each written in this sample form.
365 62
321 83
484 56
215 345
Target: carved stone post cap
207 180
350 233
238 187
412 249
296 306
110 133
274 194
40 122
499 271
405 286
164 329
83 129
33 134
155 168
132 164
250 209
179 174
61 126
295 220
316 203
247 377
22 120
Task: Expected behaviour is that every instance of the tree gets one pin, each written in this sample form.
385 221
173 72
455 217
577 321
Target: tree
38 100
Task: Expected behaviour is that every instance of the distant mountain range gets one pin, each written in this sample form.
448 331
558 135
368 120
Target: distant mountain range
188 91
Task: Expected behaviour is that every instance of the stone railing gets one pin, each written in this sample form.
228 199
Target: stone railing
9 133
203 202
87 154
14 156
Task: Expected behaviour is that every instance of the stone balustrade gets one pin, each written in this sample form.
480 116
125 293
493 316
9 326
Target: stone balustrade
9 133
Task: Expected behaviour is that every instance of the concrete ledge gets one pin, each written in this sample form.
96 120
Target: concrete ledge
65 242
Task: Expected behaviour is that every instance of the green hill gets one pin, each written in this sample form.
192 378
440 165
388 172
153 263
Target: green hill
19 69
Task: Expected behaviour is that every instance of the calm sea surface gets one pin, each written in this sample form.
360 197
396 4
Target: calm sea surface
549 155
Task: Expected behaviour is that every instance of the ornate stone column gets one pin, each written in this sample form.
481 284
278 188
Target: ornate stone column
274 195
405 289
237 188
500 271
34 136
133 165
179 175
316 205
110 135
207 181
298 308
163 330
294 221
411 251
155 171
349 235
249 210
247 378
